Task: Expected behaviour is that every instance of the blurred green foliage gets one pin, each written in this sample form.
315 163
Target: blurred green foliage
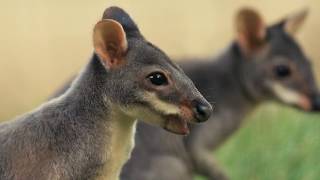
276 143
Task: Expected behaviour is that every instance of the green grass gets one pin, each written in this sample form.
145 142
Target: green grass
276 143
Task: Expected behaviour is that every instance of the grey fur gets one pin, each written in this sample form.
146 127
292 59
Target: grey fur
235 85
69 137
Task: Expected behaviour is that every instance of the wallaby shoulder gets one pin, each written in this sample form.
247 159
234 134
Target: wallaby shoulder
60 134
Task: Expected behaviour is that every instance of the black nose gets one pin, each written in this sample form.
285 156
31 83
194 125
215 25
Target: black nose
202 111
316 103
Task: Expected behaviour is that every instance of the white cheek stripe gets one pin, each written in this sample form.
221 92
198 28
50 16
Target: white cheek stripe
160 105
285 94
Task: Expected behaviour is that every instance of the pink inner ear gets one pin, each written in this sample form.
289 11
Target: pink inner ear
262 31
251 30
103 56
112 49
110 42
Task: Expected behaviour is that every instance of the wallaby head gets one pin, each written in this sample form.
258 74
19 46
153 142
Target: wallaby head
146 84
273 64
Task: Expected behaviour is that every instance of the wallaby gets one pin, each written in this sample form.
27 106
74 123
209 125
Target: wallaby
87 133
262 64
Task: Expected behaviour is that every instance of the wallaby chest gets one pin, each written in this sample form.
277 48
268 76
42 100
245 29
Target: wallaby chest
120 145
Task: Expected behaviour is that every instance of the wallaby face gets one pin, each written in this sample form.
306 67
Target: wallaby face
276 67
156 90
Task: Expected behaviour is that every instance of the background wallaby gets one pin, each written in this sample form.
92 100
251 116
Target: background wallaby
87 133
263 63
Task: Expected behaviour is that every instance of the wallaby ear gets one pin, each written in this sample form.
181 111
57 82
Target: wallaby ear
250 29
110 43
293 23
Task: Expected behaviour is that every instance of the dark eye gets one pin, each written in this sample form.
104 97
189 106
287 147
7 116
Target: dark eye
282 71
158 79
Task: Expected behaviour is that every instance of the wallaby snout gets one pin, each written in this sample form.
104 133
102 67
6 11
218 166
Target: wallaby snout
181 112
196 112
202 110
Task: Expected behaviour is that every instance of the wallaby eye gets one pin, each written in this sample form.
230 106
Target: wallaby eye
282 71
158 79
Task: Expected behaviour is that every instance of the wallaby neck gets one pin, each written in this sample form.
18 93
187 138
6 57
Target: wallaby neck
88 102
236 94
91 96
87 94
235 55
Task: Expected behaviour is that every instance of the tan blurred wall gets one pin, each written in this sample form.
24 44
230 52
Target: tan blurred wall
43 42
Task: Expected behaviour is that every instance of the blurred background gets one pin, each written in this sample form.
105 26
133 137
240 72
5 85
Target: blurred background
44 42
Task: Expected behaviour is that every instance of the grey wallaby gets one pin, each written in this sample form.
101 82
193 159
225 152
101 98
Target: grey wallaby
88 132
262 64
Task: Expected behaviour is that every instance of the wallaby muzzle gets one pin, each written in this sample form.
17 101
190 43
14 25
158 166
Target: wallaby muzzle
202 110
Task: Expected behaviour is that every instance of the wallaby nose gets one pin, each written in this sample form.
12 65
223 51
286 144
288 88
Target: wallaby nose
202 111
316 103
